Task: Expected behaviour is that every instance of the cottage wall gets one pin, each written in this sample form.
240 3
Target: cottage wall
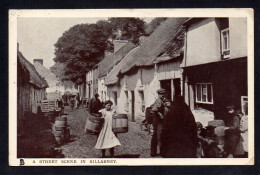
28 100
145 80
238 37
226 76
142 80
206 35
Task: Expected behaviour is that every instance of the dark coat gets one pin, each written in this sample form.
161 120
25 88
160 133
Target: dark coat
233 139
94 105
179 134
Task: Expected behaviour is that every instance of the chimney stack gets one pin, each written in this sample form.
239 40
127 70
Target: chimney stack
107 52
118 44
38 60
142 40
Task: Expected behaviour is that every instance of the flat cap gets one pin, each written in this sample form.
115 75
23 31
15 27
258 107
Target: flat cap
161 91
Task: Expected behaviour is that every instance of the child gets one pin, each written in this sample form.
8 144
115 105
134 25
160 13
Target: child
203 143
106 138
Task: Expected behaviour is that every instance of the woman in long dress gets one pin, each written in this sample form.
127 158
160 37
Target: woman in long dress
106 138
179 134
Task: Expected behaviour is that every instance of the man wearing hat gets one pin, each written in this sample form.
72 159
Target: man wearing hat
158 111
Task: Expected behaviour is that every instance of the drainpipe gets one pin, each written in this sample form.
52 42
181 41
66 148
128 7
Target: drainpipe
184 61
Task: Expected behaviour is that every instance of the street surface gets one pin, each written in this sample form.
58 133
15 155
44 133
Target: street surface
135 143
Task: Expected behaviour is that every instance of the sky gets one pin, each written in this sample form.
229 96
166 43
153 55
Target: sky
37 36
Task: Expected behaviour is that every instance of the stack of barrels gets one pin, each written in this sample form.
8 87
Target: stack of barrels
219 131
61 130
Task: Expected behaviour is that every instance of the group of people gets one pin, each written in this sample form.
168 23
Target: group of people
75 101
174 128
176 134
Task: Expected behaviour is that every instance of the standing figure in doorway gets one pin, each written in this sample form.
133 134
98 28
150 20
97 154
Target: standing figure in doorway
107 139
158 112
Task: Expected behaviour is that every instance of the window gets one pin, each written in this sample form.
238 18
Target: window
225 43
204 93
143 102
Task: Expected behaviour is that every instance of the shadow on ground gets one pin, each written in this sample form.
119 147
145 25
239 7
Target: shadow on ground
128 156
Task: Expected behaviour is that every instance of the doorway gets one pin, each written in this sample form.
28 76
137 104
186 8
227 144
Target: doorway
166 84
133 105
177 86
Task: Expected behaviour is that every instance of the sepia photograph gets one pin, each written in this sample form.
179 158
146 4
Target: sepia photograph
123 87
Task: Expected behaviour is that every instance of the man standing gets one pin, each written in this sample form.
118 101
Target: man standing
94 105
158 111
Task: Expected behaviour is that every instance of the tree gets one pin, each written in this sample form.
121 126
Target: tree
80 48
149 28
83 45
127 28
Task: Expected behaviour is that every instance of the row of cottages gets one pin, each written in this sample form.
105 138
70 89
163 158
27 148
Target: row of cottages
154 64
95 78
55 85
215 64
31 89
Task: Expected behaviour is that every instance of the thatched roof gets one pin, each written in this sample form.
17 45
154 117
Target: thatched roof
108 62
162 40
34 77
46 73
112 76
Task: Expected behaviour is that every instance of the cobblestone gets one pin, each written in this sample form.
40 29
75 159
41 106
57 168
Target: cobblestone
135 143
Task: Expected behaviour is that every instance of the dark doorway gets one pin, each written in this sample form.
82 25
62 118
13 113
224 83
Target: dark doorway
177 86
166 84
89 91
133 105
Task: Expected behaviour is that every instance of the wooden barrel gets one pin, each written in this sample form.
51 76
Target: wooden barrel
120 123
216 123
52 115
61 121
220 140
94 124
220 130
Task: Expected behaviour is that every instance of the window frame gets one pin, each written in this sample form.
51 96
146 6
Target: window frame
222 43
207 102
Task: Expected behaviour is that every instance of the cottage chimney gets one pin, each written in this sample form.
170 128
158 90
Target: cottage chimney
118 44
142 40
107 52
38 60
